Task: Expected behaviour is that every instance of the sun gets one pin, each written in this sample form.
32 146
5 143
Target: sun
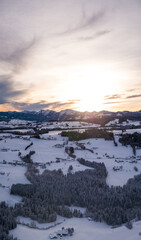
83 87
90 85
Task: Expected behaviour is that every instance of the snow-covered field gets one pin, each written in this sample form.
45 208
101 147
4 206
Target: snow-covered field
50 154
130 131
41 226
124 123
9 173
9 199
105 151
45 125
50 150
83 229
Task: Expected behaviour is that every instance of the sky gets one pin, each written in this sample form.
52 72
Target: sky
70 54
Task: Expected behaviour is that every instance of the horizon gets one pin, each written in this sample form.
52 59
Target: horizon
81 55
71 110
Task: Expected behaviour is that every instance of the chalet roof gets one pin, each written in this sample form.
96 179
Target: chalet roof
62 232
53 235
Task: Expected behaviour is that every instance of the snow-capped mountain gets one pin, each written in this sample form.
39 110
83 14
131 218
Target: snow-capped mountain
70 115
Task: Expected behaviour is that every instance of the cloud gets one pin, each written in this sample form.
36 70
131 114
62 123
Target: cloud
131 90
17 56
111 102
43 105
86 23
134 96
7 89
95 36
114 96
120 96
17 60
74 100
103 32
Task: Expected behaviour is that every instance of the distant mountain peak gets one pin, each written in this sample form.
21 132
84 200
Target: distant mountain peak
68 115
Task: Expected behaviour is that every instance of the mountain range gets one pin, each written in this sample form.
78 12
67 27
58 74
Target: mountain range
70 115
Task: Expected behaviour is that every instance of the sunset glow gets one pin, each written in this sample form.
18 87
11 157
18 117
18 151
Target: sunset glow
82 55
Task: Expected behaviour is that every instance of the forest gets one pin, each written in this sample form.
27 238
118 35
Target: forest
131 139
7 221
52 193
89 133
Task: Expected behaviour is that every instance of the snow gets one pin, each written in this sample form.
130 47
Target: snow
83 229
130 122
82 210
45 112
51 133
105 151
29 221
11 174
3 124
51 148
129 131
124 123
64 165
47 152
115 121
104 114
119 114
10 147
7 197
17 122
21 130
67 112
68 125
13 144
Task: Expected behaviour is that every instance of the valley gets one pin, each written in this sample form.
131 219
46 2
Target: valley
36 158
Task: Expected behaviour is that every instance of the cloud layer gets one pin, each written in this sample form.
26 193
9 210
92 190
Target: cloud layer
86 22
37 106
8 90
51 44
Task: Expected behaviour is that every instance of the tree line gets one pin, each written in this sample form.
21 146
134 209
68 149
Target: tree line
89 133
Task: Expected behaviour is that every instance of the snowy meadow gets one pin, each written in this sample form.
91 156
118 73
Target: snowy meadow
29 158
